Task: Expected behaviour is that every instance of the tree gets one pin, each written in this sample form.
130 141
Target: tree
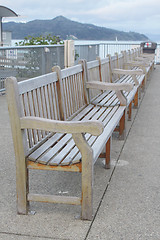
33 56
41 40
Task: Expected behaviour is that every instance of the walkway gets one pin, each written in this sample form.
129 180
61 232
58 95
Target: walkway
126 197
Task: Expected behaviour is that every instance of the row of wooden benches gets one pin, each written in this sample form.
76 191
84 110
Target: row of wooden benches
64 120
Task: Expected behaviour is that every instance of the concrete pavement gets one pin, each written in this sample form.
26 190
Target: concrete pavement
126 197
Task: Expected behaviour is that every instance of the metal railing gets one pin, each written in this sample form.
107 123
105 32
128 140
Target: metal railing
116 47
30 61
88 52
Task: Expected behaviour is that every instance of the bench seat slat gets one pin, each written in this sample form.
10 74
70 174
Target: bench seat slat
108 101
70 148
47 144
52 151
93 140
102 96
62 154
75 150
107 132
64 151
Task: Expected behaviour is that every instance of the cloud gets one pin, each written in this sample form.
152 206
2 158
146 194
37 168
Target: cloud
130 10
127 15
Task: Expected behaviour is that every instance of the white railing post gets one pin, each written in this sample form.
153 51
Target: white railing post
69 52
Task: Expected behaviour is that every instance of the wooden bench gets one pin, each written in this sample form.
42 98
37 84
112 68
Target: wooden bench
55 126
137 59
102 70
136 75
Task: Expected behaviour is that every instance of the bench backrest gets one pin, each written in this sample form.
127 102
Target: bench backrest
107 64
117 61
59 95
73 93
93 74
105 70
34 97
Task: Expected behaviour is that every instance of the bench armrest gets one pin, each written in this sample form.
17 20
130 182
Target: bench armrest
137 64
117 87
128 72
133 73
146 59
93 127
110 86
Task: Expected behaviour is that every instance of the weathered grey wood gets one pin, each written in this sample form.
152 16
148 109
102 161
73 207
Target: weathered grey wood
53 199
44 147
135 76
115 87
60 128
110 125
65 168
21 171
110 86
133 73
60 93
37 82
72 70
92 127
87 176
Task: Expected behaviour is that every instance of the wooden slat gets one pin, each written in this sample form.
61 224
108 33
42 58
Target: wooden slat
70 145
32 113
92 64
50 99
104 60
80 115
71 71
37 82
54 199
46 157
55 102
65 168
108 102
41 150
47 102
101 97
36 111
105 118
44 110
103 138
27 113
40 109
71 155
62 154
70 149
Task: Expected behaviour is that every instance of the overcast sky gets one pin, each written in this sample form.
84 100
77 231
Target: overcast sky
141 16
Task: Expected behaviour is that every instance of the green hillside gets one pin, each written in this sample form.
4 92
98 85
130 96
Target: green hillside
64 28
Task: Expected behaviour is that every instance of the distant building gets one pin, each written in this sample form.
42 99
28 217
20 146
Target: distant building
71 37
7 38
5 12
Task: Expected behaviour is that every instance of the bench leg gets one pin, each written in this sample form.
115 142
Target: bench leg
87 189
130 112
136 100
139 91
108 154
143 85
87 176
122 127
22 187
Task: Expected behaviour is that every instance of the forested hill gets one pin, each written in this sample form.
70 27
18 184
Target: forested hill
66 28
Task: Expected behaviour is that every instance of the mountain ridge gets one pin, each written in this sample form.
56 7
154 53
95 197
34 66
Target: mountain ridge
65 27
